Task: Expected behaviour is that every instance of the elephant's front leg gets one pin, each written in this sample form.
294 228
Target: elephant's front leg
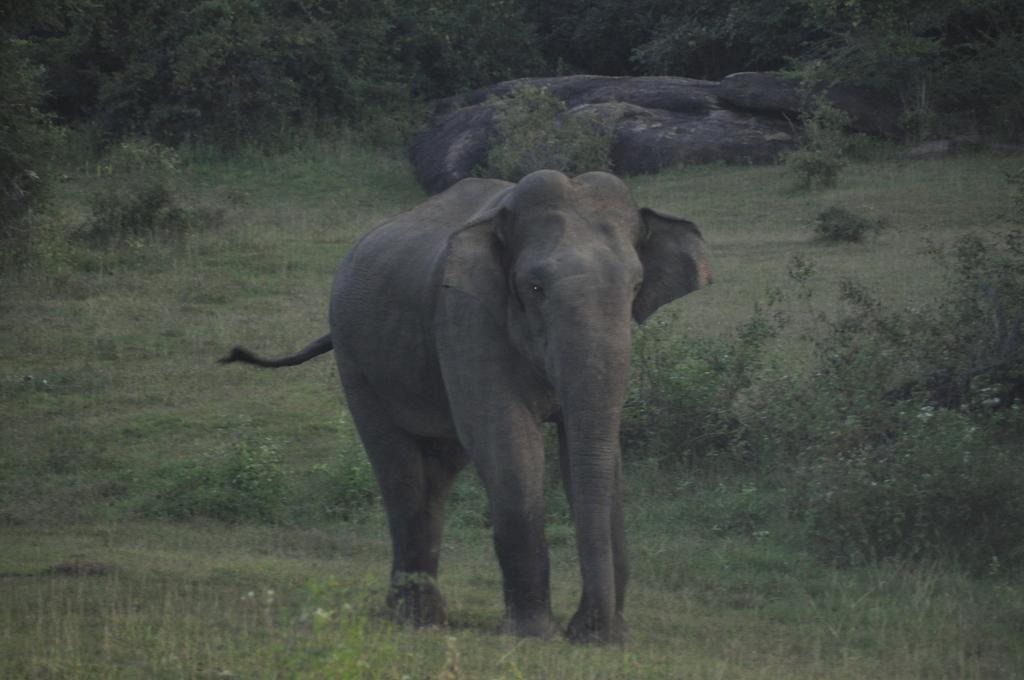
495 401
512 471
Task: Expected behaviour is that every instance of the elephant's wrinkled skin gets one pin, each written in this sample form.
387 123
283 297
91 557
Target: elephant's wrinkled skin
463 325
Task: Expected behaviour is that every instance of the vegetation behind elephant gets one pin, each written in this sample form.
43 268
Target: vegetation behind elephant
463 325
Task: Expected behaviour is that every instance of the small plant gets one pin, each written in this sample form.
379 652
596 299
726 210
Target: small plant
839 224
344 639
821 156
535 131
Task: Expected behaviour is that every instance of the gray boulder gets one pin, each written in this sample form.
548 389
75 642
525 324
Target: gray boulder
655 121
938 148
770 93
657 92
453 147
648 140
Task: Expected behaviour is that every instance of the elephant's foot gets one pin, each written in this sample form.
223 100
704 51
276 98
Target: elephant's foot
586 626
539 625
415 598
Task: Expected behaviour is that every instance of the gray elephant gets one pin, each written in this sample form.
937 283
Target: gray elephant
463 325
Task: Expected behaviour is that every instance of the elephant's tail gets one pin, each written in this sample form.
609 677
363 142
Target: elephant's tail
313 349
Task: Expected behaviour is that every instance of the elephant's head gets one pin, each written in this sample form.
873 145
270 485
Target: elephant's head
565 265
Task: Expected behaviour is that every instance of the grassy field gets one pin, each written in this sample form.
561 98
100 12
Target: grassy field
124 446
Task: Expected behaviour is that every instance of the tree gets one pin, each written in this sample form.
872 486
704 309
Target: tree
26 132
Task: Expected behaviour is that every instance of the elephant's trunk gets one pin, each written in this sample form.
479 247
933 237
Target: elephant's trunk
591 380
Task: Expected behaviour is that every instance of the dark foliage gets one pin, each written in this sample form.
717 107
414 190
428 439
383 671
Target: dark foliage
240 71
840 224
26 130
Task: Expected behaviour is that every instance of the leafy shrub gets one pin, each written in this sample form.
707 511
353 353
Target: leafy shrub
940 488
902 436
840 224
244 484
680 404
535 131
135 209
26 136
138 198
139 154
821 156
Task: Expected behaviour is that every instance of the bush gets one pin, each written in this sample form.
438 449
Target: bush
138 199
244 484
821 156
138 209
941 488
903 434
839 224
535 131
26 137
680 405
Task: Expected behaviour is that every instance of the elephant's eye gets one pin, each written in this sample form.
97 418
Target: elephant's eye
536 288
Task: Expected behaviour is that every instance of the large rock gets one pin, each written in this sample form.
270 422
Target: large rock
656 121
653 92
453 147
770 93
648 140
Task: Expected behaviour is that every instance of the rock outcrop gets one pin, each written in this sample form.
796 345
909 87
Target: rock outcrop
655 121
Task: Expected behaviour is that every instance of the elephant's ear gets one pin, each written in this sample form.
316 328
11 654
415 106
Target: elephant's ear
674 259
473 262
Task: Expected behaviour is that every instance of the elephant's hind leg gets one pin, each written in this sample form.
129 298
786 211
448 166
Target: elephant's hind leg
414 475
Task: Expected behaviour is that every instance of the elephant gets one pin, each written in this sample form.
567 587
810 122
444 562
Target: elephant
459 329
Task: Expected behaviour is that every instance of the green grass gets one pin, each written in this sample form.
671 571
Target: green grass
109 388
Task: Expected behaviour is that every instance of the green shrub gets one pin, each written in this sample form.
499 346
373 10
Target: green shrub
970 351
244 484
680 405
140 208
535 131
138 198
821 156
840 224
940 488
27 135
902 436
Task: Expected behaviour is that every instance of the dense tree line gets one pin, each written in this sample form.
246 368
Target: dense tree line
228 72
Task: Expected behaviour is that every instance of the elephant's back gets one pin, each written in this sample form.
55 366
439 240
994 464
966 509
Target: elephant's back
382 302
400 257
